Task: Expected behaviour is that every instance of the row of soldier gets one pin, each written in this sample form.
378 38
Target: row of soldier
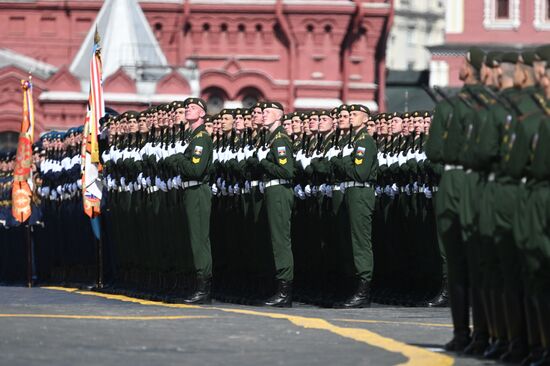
491 210
145 216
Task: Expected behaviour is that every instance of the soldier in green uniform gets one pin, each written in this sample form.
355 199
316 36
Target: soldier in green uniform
446 137
358 167
277 162
193 166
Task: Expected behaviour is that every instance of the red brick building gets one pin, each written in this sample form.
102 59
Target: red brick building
305 53
491 25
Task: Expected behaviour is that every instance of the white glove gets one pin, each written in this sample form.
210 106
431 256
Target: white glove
261 187
314 190
328 191
307 190
214 189
219 182
137 186
236 189
299 192
123 182
79 183
246 187
408 189
305 162
388 191
323 189
262 154
59 190
342 187
230 190
162 186
178 181
241 155
215 156
347 151
333 152
421 156
427 192
248 152
170 184
378 191
299 155
401 159
45 191
395 189
224 189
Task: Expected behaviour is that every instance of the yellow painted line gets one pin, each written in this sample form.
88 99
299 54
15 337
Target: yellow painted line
66 289
415 356
395 322
104 317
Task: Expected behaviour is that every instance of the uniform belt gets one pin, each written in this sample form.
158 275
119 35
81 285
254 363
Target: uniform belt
336 187
469 171
152 189
276 182
491 177
191 183
453 167
356 184
254 183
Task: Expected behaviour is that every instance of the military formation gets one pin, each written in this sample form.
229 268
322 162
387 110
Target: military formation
331 207
246 204
492 203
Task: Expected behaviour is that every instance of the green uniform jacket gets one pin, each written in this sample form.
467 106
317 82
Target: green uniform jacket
362 165
279 163
195 162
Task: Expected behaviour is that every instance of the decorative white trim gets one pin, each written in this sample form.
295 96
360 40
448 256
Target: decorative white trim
61 96
490 20
541 23
233 104
325 103
359 85
317 83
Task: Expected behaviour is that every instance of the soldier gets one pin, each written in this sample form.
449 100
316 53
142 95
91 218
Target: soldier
193 166
277 163
358 167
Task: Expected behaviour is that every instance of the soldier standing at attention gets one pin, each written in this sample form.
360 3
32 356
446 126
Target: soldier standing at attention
194 166
277 162
358 167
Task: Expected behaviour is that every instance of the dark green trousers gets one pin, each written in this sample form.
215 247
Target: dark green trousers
197 204
360 205
279 202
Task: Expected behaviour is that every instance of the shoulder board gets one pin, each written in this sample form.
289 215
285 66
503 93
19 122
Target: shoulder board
281 136
362 135
541 101
200 134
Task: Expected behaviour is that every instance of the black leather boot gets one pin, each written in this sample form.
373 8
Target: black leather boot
461 318
283 296
544 361
478 345
441 300
202 292
360 299
497 349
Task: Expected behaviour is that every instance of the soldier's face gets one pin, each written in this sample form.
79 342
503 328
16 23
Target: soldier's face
396 125
427 124
248 121
287 125
418 125
239 122
227 122
357 118
180 115
325 124
270 115
142 124
371 128
209 127
314 124
193 112
296 124
306 126
257 117
539 68
217 125
343 120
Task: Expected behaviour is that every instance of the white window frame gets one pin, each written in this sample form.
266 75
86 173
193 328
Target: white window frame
490 20
540 22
